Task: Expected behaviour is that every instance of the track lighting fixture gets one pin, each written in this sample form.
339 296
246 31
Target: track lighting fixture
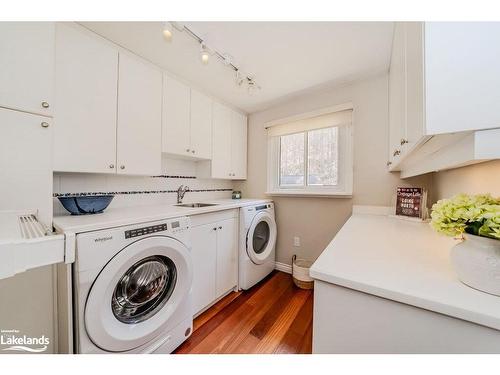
241 79
204 54
168 32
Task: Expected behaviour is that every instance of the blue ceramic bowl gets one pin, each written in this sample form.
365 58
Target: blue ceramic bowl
90 204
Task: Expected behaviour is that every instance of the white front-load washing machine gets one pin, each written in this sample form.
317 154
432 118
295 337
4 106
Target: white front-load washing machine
132 288
257 243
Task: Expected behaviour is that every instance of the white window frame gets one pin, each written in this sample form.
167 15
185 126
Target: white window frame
344 186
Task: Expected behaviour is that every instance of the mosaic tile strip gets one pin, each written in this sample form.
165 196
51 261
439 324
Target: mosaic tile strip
168 176
84 194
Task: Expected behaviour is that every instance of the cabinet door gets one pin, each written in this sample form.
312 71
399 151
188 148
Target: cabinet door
27 66
462 76
86 96
227 256
414 83
26 163
397 93
221 142
201 125
139 117
204 255
238 145
176 127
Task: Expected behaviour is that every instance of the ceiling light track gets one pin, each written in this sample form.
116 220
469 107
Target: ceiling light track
241 78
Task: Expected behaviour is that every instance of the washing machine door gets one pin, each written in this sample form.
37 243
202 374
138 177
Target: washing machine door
136 295
261 238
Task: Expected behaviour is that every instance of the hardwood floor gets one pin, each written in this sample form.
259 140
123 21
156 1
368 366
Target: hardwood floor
273 317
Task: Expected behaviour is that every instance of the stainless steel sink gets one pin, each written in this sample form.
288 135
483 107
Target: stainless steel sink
196 205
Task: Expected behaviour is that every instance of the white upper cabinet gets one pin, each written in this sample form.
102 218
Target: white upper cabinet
201 125
187 121
139 117
27 66
443 80
229 145
176 117
462 76
86 97
397 93
221 142
26 163
414 91
238 145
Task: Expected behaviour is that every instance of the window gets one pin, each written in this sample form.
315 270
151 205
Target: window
311 156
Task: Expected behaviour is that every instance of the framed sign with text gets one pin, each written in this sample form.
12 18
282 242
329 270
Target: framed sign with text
410 201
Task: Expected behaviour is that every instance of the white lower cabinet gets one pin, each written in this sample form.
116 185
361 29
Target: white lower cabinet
227 256
204 255
215 257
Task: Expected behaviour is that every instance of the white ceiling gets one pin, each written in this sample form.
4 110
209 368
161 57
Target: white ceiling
283 57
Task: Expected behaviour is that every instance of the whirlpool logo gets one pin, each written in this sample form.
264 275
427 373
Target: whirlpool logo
13 340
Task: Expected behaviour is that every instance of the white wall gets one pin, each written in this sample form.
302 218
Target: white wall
317 220
475 179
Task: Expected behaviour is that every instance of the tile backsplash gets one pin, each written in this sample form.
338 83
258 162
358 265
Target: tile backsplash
142 190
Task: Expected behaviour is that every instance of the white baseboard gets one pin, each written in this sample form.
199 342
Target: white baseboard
283 267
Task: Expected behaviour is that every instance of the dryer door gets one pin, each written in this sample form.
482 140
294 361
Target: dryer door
261 238
136 295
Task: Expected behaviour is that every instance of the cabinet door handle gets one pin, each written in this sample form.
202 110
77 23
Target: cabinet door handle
220 227
44 124
45 104
389 163
122 167
111 166
403 141
396 153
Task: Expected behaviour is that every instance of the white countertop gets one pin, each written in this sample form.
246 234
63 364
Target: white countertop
115 217
403 261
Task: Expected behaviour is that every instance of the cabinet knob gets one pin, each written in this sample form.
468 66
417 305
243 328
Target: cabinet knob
111 166
44 124
220 227
389 163
403 141
396 153
45 105
187 150
122 167
214 228
192 151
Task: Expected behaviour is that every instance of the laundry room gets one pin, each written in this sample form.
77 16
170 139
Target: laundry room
301 183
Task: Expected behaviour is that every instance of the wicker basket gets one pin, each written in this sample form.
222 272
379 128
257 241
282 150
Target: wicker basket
300 273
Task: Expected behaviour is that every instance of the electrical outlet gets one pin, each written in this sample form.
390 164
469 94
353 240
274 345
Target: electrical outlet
296 241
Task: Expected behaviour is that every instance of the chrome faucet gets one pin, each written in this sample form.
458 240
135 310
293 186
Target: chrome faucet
180 193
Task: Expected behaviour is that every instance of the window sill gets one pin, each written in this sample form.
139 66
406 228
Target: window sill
302 193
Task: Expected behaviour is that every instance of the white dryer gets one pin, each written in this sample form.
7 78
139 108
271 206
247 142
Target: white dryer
257 243
132 288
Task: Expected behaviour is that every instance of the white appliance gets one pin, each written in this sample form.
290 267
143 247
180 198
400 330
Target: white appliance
257 243
133 288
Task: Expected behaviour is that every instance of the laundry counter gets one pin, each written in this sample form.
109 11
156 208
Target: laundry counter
386 285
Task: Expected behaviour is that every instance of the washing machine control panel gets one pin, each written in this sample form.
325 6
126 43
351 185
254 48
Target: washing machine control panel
145 230
174 226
